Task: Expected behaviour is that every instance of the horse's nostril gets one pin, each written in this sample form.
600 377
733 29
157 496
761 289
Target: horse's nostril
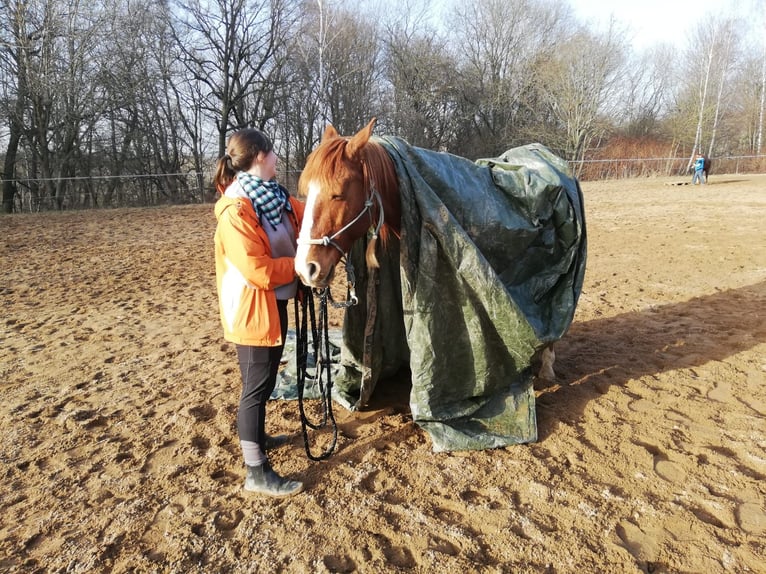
313 270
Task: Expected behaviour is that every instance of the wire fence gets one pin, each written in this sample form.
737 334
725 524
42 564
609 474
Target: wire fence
145 190
112 191
106 191
625 168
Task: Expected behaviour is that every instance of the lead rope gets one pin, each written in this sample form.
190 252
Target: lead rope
321 346
304 310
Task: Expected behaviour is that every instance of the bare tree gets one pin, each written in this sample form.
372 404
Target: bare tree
142 135
123 88
580 84
15 47
323 22
229 46
336 67
300 103
762 110
709 66
57 66
303 97
503 41
745 104
727 60
424 90
648 90
352 68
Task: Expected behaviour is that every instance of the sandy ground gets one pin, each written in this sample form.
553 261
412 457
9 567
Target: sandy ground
119 395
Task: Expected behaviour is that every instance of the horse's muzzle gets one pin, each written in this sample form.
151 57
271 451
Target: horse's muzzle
311 274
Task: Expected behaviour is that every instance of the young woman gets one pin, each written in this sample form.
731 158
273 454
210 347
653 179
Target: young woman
255 240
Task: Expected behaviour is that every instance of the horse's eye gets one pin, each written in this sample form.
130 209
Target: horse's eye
337 197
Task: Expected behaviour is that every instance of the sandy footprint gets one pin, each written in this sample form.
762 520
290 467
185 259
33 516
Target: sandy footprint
663 467
758 379
643 547
642 406
394 556
721 393
677 417
751 518
668 470
442 546
340 564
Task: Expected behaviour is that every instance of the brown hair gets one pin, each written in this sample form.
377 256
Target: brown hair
243 147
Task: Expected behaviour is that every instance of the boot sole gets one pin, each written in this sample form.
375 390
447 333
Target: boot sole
275 494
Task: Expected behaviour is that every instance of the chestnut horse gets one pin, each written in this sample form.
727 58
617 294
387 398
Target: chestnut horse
351 186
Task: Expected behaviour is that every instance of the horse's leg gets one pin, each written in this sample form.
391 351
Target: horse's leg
547 359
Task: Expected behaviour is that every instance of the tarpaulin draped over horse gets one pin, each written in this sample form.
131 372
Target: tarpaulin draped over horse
488 272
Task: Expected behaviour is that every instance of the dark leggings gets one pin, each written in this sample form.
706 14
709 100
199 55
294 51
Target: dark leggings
259 367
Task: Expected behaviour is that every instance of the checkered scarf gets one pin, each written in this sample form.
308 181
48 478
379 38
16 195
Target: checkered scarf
268 197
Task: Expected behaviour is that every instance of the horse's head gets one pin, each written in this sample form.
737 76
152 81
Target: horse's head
340 206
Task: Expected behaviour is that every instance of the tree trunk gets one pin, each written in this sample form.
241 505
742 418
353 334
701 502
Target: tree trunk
759 139
725 58
702 102
9 175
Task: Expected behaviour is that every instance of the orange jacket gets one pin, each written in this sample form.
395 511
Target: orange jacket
246 274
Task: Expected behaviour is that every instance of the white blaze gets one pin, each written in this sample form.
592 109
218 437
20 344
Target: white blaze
301 254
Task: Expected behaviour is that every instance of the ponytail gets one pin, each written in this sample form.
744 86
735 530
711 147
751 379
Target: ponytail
224 174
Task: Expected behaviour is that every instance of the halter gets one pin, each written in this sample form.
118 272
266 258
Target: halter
374 196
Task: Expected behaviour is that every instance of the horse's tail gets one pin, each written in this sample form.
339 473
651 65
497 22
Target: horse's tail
708 163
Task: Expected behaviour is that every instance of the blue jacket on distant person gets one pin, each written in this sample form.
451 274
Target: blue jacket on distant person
699 170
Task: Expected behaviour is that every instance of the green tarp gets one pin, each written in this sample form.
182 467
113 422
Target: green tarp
488 270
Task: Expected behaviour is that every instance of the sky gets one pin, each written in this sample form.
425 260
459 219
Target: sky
651 21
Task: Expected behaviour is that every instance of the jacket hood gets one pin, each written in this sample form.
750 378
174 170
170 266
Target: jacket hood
233 196
225 202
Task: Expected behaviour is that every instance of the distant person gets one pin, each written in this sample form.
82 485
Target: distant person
255 242
699 170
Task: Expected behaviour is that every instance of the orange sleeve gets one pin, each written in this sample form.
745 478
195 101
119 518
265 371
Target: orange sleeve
247 249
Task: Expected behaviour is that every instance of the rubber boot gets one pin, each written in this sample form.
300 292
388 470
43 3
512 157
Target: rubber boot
275 441
264 480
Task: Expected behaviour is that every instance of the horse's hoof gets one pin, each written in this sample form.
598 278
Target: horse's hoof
546 374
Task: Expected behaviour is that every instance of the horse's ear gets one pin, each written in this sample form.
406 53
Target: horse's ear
358 141
329 133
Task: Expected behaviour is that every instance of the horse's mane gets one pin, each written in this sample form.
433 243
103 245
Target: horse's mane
322 164
381 169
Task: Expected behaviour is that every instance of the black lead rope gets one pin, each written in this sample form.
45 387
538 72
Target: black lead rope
320 338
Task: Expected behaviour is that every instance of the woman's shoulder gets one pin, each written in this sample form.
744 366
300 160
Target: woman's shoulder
298 205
